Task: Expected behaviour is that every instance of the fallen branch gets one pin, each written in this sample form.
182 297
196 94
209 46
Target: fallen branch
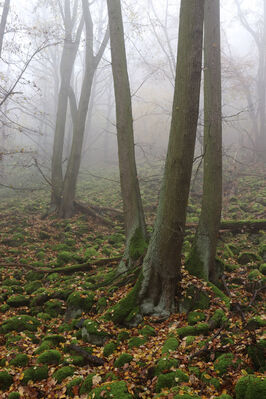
240 226
90 359
90 212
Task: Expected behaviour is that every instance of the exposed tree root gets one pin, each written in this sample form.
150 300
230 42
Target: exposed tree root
90 359
91 211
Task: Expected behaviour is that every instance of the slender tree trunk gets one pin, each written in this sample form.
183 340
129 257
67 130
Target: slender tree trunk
3 23
133 210
161 266
202 258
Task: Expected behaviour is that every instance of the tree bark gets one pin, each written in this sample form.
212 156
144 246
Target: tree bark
161 266
3 23
132 204
202 257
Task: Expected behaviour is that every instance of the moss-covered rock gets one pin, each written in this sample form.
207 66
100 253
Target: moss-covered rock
79 302
123 359
224 362
86 385
194 299
55 339
15 301
255 323
169 380
136 342
165 364
113 390
198 329
148 331
19 323
32 286
224 396
251 387
74 384
53 307
92 333
263 269
195 317
6 380
62 373
123 336
220 294
218 319
21 360
257 355
64 257
33 276
171 344
109 348
43 347
14 395
35 374
247 257
50 356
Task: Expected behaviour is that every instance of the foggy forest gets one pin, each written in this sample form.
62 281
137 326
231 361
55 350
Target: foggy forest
132 199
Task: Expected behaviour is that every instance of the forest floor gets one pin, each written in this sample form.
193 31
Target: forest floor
57 339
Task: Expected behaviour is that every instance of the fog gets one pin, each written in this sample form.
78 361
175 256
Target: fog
33 42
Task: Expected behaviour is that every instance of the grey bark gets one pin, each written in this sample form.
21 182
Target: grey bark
132 204
161 266
3 23
202 257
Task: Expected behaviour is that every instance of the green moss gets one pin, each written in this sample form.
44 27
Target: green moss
53 277
123 359
90 252
171 344
50 356
220 294
195 317
255 275
195 370
62 373
165 364
224 396
256 354
127 308
109 349
148 331
136 342
113 390
169 380
4 308
6 380
137 245
14 395
195 265
81 300
20 360
16 301
224 363
53 307
194 299
92 333
64 257
86 385
32 276
255 323
43 347
19 323
55 339
35 374
247 257
218 319
251 387
76 382
32 286
9 282
198 329
123 336
263 269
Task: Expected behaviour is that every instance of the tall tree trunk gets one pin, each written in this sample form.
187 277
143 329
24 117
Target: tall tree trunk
133 209
3 23
70 181
201 262
69 54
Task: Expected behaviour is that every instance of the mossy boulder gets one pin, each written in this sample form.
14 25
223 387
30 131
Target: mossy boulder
19 323
109 349
15 301
136 342
33 276
263 269
257 355
218 319
251 387
255 275
123 336
148 331
62 373
113 390
194 299
165 364
6 380
224 396
79 302
92 333
50 356
255 323
32 286
73 385
123 359
169 380
198 329
14 395
64 257
53 307
224 362
195 317
55 339
86 385
35 374
247 257
21 360
170 345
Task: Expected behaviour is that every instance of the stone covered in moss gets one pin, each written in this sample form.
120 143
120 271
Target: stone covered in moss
62 373
55 339
80 300
113 390
123 359
33 276
255 323
148 331
247 257
6 380
194 299
64 257
198 329
220 294
195 317
224 362
251 387
14 395
224 396
92 333
19 323
256 354
86 385
35 374
21 360
109 349
218 319
165 364
136 342
32 286
53 307
169 380
50 356
171 344
15 301
123 336
263 269
76 382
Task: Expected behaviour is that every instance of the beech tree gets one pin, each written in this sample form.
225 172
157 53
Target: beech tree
3 23
157 285
133 209
201 261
